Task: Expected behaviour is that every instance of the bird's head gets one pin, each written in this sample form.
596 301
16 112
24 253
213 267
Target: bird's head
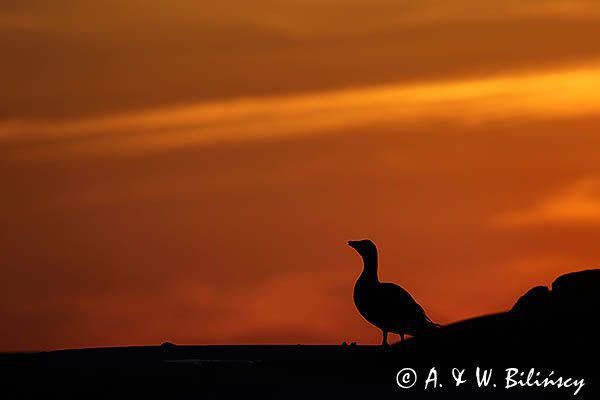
364 247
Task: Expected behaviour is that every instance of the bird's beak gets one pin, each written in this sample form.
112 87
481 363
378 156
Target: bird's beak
351 243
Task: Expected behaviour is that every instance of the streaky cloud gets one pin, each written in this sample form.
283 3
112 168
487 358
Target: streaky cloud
563 93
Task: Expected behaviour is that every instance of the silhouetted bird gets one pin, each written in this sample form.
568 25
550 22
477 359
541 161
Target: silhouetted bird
386 305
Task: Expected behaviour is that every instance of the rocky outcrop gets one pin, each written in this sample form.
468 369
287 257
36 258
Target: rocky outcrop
571 307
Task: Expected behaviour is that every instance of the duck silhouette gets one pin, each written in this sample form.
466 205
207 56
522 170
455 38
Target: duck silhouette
386 305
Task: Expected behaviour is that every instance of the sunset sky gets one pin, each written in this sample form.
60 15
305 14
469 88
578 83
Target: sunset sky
190 171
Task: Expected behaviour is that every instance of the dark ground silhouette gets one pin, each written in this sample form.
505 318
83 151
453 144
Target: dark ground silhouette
549 330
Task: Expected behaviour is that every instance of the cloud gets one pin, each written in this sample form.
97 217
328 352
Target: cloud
549 95
577 204
106 57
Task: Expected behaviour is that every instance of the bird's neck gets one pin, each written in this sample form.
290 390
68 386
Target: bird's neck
370 267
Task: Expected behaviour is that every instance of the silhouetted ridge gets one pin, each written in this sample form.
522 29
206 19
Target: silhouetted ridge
573 295
543 323
577 292
537 299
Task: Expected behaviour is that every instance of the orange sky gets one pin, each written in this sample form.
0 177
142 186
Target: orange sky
190 172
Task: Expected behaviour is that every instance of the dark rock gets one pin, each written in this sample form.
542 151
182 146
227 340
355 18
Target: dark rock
578 290
537 299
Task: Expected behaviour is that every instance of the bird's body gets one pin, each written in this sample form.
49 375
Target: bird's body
386 305
390 308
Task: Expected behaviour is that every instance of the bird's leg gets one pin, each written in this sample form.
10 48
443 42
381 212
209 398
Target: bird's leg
384 342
